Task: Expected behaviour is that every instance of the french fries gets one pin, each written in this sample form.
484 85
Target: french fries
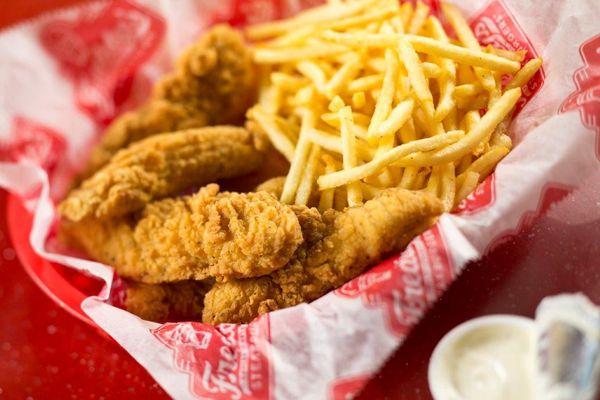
364 95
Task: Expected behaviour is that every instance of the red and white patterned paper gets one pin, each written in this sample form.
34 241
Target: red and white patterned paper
85 73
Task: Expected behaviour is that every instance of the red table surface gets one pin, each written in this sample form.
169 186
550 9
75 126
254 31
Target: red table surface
46 353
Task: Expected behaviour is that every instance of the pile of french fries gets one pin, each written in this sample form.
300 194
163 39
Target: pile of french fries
364 95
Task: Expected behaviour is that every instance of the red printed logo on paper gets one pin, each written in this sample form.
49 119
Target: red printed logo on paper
551 194
347 388
586 97
495 25
405 287
227 361
483 196
34 143
101 51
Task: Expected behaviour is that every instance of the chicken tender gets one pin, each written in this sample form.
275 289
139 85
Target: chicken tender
168 301
338 246
209 234
213 83
164 165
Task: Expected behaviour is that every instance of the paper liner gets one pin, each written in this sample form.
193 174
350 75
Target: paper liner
65 75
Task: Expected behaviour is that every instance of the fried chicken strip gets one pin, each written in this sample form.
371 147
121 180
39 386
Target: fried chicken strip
163 165
209 234
337 247
167 301
213 83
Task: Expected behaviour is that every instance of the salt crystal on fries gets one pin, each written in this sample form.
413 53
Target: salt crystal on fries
364 95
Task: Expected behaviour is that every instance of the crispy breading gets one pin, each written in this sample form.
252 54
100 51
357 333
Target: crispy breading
167 301
338 247
164 165
213 83
209 234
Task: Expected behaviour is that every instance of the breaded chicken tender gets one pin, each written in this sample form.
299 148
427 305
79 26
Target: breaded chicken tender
209 234
167 301
337 247
213 84
164 165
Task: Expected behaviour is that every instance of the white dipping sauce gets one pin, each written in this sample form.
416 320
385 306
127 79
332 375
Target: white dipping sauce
488 358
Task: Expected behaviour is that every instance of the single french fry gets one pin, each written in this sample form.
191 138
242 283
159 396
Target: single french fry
469 183
327 195
431 70
418 18
349 154
447 80
316 15
270 99
384 100
334 144
433 183
336 104
517 56
406 13
467 37
346 73
365 83
292 38
397 23
448 186
466 144
485 164
397 118
471 119
287 82
278 56
313 72
411 62
360 20
360 121
525 74
372 167
298 161
466 90
308 176
304 97
408 177
428 46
